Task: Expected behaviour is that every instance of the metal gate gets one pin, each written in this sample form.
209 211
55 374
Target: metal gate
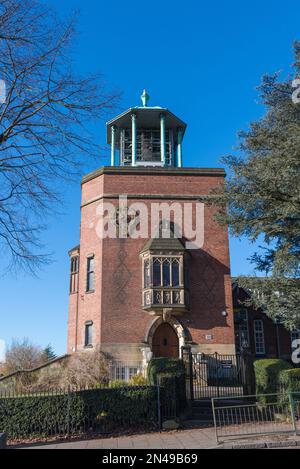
214 375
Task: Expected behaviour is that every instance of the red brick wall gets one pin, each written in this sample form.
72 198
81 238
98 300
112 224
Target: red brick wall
115 307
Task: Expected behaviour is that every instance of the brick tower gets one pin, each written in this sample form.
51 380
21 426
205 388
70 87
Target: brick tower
152 271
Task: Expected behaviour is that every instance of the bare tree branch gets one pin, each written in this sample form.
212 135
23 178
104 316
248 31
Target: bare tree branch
43 122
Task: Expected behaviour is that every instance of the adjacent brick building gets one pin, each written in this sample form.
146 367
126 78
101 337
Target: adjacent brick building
137 295
255 331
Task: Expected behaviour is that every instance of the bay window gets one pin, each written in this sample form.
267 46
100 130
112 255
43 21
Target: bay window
165 282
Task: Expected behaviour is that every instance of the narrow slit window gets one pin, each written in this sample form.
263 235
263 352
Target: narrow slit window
74 274
89 334
175 273
90 284
166 273
156 273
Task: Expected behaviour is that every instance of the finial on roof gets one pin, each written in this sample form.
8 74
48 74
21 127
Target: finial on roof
145 98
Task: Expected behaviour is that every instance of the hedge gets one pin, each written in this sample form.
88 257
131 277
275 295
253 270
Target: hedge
170 374
98 410
290 381
267 373
164 365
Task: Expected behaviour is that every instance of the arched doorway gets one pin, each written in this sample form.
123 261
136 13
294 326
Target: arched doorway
165 342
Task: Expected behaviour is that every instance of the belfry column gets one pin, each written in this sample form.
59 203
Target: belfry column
179 148
113 146
163 138
133 119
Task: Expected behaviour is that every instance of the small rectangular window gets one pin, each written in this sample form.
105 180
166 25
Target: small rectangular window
90 283
259 337
88 335
133 371
121 373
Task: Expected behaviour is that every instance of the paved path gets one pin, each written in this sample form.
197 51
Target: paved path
183 439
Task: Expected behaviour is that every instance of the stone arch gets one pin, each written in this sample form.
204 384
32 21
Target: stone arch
176 325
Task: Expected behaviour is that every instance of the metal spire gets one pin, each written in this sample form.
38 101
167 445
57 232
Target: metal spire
145 98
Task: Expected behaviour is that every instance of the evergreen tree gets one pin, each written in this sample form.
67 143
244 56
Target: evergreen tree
261 198
49 354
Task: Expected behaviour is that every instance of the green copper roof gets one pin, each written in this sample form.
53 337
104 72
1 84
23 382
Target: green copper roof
147 118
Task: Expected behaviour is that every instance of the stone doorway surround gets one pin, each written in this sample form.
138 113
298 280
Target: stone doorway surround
174 323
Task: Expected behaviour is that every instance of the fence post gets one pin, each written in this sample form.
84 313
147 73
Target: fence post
188 362
68 411
158 403
175 410
215 420
191 374
217 365
291 399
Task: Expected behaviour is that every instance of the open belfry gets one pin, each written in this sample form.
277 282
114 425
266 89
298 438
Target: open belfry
152 272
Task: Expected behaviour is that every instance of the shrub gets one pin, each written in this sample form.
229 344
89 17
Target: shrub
170 373
173 395
118 383
164 365
97 410
290 381
138 380
79 370
86 369
267 376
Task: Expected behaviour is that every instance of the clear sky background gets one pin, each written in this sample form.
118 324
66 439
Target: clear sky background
200 59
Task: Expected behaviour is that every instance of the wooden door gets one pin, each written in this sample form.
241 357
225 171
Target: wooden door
165 342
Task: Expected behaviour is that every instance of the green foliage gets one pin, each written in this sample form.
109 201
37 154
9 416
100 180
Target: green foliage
164 365
138 380
118 383
170 374
103 410
267 374
290 380
264 294
261 198
173 392
49 354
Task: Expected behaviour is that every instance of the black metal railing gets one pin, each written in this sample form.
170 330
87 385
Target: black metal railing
213 375
65 412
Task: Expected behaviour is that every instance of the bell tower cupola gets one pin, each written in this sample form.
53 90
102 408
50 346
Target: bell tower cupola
146 136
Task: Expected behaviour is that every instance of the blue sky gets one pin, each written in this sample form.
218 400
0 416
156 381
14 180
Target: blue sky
203 61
